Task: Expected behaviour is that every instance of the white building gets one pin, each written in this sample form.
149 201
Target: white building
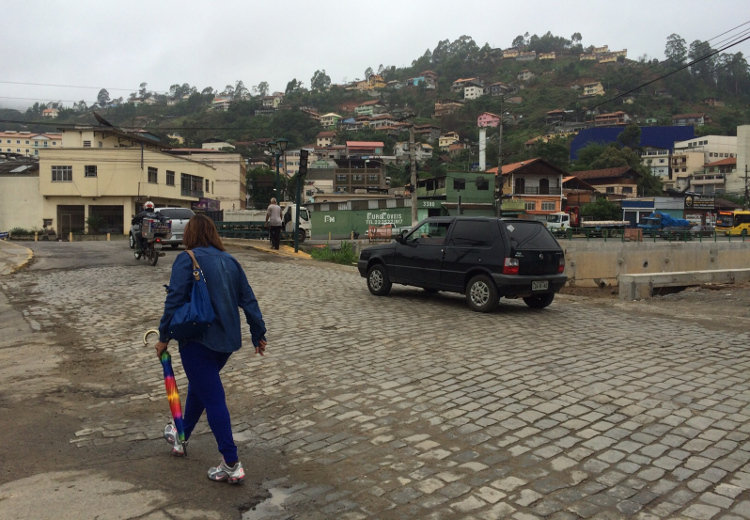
714 147
735 181
473 92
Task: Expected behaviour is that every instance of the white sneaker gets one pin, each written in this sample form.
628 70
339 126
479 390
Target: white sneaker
233 475
179 449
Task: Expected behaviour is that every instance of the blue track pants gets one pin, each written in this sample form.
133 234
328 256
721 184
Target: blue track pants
205 392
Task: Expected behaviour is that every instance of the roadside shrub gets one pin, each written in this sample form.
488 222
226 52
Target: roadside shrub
20 232
344 256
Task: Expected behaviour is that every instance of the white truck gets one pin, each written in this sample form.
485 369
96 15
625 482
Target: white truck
559 223
288 212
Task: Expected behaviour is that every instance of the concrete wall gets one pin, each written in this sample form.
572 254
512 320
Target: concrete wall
20 203
597 263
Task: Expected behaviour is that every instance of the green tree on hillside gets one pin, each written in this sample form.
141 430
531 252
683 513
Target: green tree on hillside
320 81
676 49
261 89
102 98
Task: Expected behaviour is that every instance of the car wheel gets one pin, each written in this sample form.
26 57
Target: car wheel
175 246
539 301
377 280
481 294
301 236
132 240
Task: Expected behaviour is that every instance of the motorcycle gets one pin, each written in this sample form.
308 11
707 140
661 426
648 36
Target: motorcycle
155 232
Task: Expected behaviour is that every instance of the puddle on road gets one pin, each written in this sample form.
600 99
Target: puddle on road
272 508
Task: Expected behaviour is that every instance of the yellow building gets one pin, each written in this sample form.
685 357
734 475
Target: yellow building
27 143
593 89
108 173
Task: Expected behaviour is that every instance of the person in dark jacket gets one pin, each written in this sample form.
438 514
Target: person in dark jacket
148 212
203 357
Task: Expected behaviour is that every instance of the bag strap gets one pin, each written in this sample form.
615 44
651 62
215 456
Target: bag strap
197 271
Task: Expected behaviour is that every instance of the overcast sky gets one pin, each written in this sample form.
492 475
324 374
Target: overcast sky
49 46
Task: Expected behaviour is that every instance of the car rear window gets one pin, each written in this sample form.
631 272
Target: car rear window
530 235
177 213
471 233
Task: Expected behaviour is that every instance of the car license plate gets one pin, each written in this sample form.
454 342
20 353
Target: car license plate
540 286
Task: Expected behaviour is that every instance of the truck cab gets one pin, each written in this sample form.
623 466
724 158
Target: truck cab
559 221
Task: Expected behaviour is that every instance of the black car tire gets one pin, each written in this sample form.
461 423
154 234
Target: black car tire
301 236
131 240
539 301
481 294
377 280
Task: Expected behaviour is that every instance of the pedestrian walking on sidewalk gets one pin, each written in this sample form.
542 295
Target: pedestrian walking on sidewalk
273 221
203 357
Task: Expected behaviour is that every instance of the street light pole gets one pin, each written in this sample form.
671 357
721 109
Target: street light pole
413 181
277 148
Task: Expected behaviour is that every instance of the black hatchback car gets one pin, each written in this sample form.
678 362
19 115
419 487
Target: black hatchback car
484 258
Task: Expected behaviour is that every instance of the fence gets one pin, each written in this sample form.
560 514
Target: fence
640 235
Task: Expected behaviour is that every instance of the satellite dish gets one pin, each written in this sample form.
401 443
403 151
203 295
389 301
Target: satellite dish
102 121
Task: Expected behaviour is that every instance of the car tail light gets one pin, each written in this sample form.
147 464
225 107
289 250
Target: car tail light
510 266
561 265
158 240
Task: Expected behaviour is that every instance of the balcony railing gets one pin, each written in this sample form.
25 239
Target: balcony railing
192 193
535 190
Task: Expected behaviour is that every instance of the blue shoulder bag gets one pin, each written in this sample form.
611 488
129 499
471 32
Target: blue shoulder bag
195 316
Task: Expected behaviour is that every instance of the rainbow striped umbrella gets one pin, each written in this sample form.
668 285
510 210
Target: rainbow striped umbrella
173 396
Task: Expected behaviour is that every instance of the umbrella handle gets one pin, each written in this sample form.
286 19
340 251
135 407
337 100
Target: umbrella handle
147 334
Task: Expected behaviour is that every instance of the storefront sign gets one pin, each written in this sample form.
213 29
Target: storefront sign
699 202
206 205
378 219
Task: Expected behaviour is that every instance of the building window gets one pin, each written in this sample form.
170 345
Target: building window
89 171
153 175
627 190
207 185
212 186
548 206
531 206
87 144
459 184
482 184
372 177
610 189
62 173
170 178
341 178
357 177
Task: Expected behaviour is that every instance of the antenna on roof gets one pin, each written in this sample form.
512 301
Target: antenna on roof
102 121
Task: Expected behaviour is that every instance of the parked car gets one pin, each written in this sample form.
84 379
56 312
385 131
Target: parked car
482 257
178 217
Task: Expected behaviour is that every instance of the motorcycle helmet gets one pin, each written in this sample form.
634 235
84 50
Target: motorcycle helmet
148 205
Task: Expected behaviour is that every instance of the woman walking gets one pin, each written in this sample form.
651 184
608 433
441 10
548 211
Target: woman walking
203 357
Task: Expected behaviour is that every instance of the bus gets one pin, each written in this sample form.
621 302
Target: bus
735 222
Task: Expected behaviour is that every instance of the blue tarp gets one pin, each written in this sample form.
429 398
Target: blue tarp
662 137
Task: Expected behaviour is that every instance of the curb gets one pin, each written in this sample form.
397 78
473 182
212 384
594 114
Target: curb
10 258
285 251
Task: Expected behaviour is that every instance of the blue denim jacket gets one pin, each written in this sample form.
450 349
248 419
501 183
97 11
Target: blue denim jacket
228 289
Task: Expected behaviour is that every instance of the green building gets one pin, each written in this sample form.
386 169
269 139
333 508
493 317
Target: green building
437 196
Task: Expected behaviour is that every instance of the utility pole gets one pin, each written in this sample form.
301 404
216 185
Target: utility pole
499 176
747 194
413 180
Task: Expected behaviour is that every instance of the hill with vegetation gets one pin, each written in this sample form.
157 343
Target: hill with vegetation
684 82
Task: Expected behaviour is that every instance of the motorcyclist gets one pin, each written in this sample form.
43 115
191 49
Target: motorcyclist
148 212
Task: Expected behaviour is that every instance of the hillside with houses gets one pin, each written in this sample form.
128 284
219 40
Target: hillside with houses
575 107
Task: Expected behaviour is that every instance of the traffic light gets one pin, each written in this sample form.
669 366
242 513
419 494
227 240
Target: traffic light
303 162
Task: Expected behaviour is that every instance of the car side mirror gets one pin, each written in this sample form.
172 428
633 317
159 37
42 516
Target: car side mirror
400 238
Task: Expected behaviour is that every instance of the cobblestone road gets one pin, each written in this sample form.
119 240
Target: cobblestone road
411 406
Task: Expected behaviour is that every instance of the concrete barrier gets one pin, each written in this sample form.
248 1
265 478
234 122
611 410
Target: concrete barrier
600 264
641 286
